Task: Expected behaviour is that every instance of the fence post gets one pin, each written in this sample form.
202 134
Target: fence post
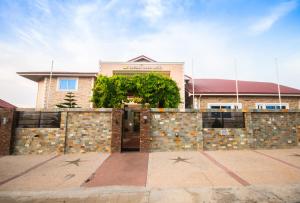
145 121
117 119
66 132
6 130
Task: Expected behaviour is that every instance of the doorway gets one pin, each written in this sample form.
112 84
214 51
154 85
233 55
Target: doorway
131 130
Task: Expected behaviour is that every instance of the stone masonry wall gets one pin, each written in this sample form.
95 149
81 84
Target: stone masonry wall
263 129
39 140
225 138
173 131
165 130
275 130
86 130
228 138
6 122
89 132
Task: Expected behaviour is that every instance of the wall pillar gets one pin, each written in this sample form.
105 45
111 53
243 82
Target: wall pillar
6 128
145 130
116 136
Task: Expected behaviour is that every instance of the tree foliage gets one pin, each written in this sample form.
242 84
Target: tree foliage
70 101
153 89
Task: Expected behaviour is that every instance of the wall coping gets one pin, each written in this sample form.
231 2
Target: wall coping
160 110
67 109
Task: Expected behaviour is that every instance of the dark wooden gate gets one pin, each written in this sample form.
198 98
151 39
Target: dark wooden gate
131 129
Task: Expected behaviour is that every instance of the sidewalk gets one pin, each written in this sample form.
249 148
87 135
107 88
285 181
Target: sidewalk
261 194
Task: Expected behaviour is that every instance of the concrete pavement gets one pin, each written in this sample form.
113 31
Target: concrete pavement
217 176
250 194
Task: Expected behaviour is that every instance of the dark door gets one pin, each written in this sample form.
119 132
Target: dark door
131 130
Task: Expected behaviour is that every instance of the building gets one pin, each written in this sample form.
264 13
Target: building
6 105
220 93
208 93
142 65
52 92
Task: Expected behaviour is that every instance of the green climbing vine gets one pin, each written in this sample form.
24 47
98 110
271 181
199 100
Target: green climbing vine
153 89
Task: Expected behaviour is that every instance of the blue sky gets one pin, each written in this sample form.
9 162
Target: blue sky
212 33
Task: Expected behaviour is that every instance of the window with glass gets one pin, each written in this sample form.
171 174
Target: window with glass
272 106
67 84
224 105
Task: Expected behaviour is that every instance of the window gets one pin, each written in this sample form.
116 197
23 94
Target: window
224 106
36 119
272 106
67 84
222 120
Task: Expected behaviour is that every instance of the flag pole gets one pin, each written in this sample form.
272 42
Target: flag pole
278 85
236 83
193 82
49 85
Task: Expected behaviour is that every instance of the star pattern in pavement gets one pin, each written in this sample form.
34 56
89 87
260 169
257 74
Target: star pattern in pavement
75 162
179 159
295 155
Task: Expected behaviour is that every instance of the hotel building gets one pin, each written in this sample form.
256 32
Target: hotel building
207 94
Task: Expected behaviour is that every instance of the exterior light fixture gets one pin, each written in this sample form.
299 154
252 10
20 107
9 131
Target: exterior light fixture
145 119
4 121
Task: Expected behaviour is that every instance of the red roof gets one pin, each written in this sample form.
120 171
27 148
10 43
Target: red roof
6 105
221 86
141 58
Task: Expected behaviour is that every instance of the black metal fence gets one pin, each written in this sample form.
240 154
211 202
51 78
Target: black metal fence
37 119
223 120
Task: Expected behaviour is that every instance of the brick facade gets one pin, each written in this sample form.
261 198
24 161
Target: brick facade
116 136
83 93
249 102
145 124
6 127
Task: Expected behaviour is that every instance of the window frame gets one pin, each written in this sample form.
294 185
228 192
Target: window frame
67 78
232 105
264 105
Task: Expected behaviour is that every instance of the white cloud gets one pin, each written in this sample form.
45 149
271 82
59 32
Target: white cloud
153 10
266 22
88 34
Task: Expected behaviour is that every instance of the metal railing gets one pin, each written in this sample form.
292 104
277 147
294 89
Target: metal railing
37 119
223 120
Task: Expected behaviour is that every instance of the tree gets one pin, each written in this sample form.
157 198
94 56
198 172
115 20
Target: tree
153 89
70 101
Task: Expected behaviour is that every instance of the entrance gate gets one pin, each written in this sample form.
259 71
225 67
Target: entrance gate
131 129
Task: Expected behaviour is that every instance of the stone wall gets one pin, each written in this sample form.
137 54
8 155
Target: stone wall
89 132
6 123
173 131
80 131
39 140
225 138
275 130
164 130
